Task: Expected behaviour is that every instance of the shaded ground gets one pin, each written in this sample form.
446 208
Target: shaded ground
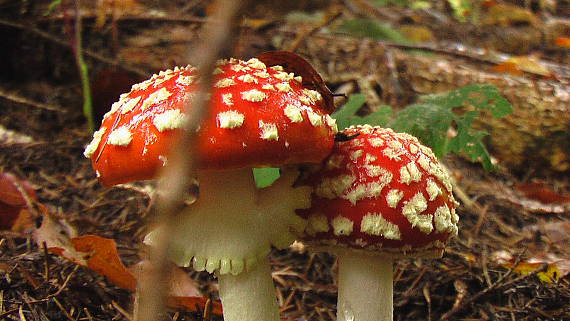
467 284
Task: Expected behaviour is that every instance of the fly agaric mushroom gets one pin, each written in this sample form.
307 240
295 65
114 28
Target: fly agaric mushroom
259 116
380 195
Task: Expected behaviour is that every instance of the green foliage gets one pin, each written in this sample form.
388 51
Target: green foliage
265 176
52 6
346 116
431 119
369 28
461 8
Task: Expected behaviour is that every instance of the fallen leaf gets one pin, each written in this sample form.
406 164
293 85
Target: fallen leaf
556 268
115 8
100 255
562 42
193 304
294 63
14 212
518 64
556 232
508 15
541 193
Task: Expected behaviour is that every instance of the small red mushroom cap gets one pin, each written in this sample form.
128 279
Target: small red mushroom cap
259 116
383 192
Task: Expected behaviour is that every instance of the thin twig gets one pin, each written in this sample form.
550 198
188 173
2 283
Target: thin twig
25 101
66 44
176 177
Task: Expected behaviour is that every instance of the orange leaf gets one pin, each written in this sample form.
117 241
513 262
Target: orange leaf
13 206
193 304
539 192
507 67
562 42
102 257
517 64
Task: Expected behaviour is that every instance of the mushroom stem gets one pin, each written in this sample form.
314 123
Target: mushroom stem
249 296
365 285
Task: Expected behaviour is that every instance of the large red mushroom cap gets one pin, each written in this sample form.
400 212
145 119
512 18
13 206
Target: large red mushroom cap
259 116
383 192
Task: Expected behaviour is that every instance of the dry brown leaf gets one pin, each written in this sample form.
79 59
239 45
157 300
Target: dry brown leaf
100 255
540 192
115 8
14 212
294 63
518 64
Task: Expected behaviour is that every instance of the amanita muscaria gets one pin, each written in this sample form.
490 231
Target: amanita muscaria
259 116
380 195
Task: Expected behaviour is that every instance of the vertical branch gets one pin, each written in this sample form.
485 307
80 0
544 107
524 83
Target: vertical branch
82 68
176 177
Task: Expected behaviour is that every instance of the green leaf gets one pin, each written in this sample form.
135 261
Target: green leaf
461 8
428 122
264 177
346 115
480 96
368 28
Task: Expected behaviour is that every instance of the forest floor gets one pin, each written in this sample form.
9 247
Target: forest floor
511 258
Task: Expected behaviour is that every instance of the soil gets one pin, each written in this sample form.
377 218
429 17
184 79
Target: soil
43 134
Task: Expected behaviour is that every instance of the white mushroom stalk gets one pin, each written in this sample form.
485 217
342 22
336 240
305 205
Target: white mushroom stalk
365 286
229 231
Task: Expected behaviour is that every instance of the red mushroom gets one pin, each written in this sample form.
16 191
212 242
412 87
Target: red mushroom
380 195
259 116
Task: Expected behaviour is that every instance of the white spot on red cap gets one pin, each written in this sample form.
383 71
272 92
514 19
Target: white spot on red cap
314 118
432 189
170 119
262 74
394 197
253 95
331 122
268 131
412 210
283 87
268 87
277 68
410 173
443 221
298 79
283 76
375 224
256 63
230 119
313 95
342 226
217 71
156 97
333 187
121 136
293 113
376 141
227 99
247 78
92 146
185 80
129 104
225 82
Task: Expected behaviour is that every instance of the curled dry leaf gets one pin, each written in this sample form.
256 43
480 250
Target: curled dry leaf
294 63
100 255
540 192
14 212
520 64
555 269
